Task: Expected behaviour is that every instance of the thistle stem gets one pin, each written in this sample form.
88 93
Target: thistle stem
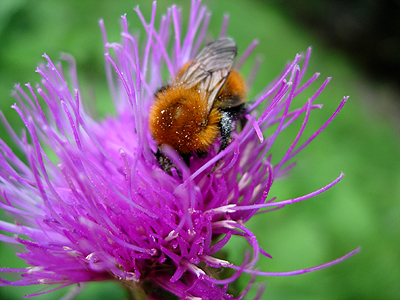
135 291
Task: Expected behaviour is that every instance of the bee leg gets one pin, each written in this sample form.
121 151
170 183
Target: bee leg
202 154
186 158
166 164
226 125
242 118
164 161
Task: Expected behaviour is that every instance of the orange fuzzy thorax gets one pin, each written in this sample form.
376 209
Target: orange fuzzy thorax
179 118
234 87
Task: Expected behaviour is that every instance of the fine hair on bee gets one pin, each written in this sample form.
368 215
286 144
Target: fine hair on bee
202 102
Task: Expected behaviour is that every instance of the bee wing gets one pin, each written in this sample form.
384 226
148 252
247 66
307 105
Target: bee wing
211 67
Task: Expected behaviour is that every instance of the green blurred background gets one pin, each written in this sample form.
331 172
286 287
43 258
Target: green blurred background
363 141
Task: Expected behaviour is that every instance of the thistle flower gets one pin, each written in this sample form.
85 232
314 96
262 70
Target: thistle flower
104 209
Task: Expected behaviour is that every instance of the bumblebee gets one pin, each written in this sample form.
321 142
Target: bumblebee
202 102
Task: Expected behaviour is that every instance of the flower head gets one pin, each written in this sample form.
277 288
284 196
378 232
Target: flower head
90 199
